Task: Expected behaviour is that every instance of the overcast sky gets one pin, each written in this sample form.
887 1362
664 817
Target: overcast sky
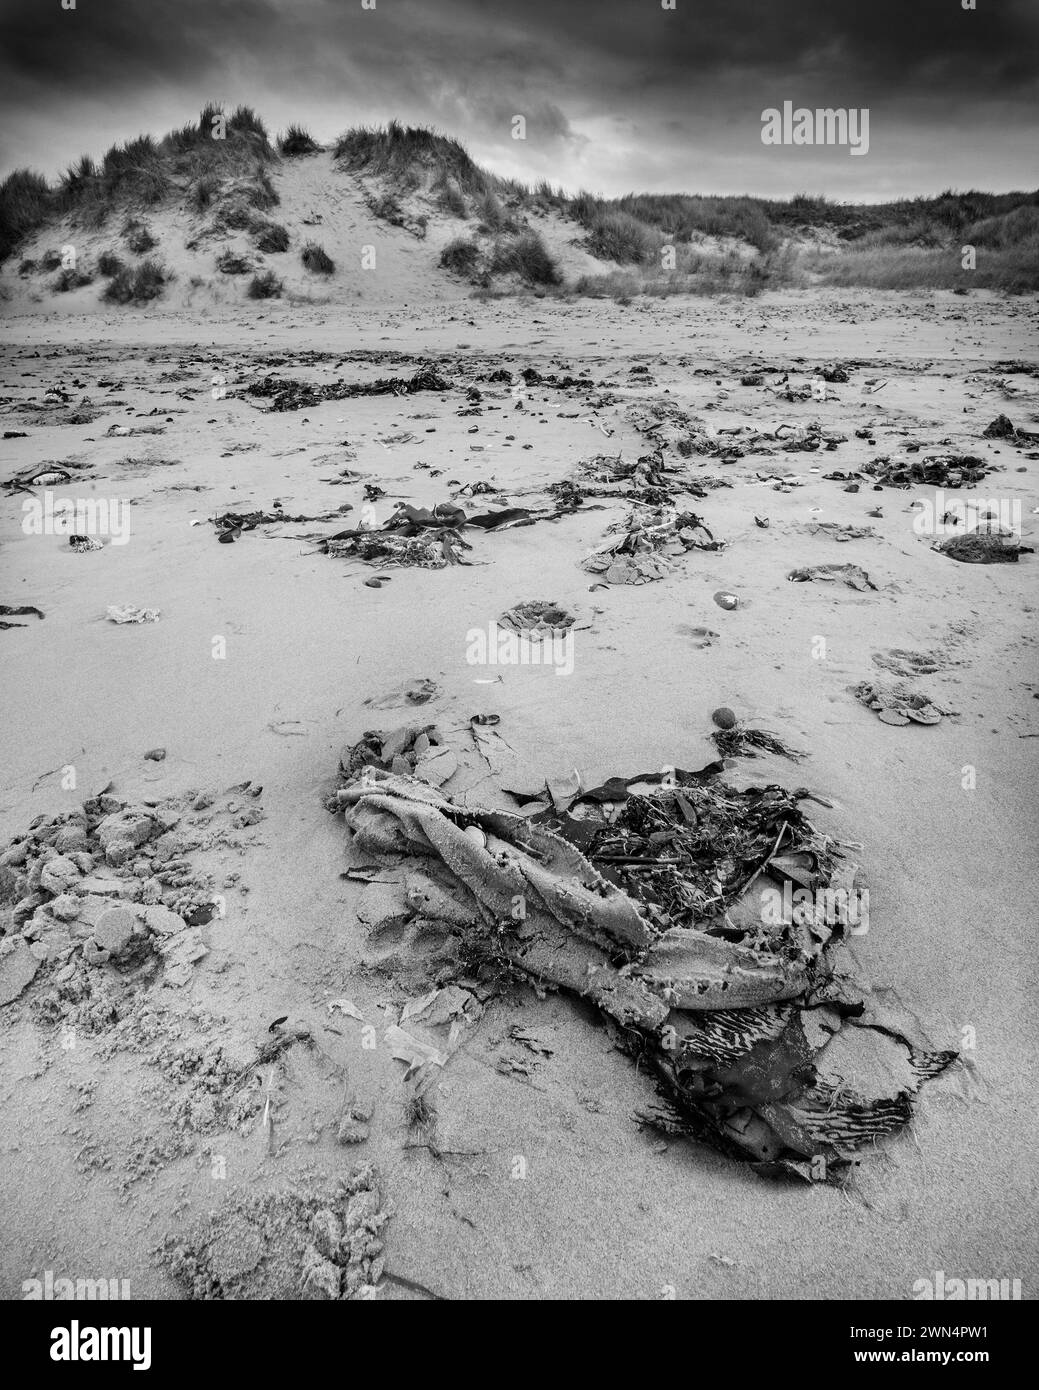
618 95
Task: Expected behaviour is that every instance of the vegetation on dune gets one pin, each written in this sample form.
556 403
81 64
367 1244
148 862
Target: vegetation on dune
395 152
297 141
138 236
265 286
527 256
315 258
220 165
270 236
71 279
461 256
108 263
230 264
137 284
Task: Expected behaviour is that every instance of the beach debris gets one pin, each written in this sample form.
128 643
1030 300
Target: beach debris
24 610
413 749
835 531
537 618
739 740
852 575
414 692
763 522
1002 427
702 636
723 717
652 538
155 755
898 704
82 544
130 613
726 600
943 470
284 394
283 1245
637 896
982 548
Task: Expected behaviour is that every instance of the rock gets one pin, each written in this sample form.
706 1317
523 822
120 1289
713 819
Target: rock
94 883
124 828
14 855
55 943
58 874
320 1276
724 717
114 931
25 907
71 837
66 907
93 955
18 967
180 953
362 1207
353 1126
326 1232
155 755
161 920
39 951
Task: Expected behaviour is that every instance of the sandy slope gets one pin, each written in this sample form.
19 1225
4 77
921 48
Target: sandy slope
603 1211
377 263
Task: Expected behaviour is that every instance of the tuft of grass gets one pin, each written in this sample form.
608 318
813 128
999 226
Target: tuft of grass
204 191
137 285
388 209
138 236
265 285
461 257
619 236
230 264
26 202
271 236
297 141
527 256
71 279
50 260
451 200
108 263
398 152
260 192
316 259
26 267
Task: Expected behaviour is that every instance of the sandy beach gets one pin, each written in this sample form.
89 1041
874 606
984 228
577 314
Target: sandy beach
264 664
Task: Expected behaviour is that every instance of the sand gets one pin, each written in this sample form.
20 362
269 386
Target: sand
602 1209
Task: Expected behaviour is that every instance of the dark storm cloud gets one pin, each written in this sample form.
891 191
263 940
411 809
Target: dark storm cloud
615 95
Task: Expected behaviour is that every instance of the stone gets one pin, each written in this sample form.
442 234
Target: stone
97 883
326 1232
69 838
320 1276
114 931
18 967
58 874
65 907
134 826
160 919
